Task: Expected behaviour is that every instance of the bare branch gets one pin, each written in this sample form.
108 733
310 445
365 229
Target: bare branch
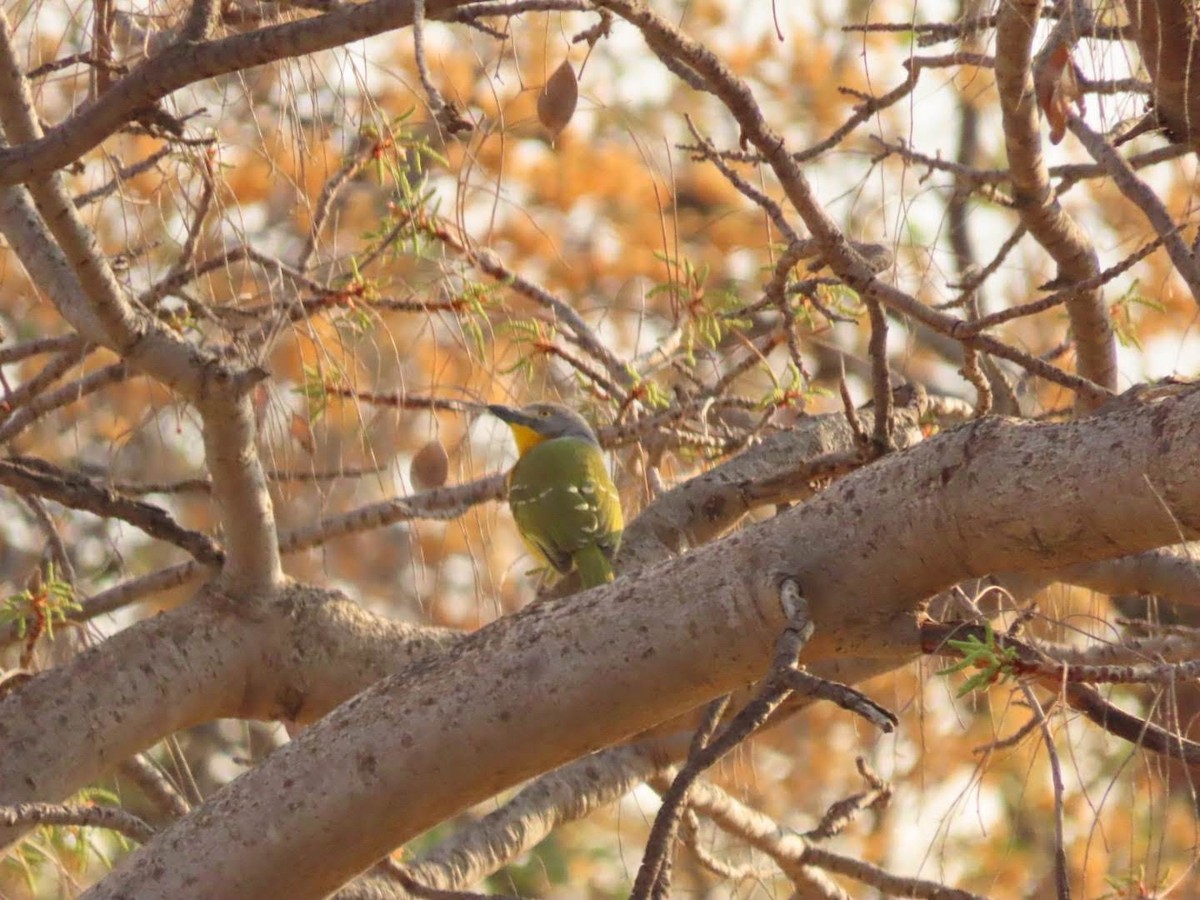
69 393
670 44
40 478
1035 200
154 784
1062 879
1138 192
110 817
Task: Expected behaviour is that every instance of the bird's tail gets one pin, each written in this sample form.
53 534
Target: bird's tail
594 567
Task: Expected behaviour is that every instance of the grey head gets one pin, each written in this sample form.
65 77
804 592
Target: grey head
550 420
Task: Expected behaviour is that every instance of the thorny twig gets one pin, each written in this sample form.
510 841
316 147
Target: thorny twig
653 878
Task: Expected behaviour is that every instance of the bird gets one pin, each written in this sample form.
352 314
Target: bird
564 503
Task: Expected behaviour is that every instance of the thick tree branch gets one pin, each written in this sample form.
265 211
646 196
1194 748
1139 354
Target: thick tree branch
294 661
120 697
1166 35
695 627
1168 572
780 469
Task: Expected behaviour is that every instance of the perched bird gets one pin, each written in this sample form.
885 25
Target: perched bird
561 496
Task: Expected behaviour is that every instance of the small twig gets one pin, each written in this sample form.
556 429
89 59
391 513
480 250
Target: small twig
1013 739
176 282
970 285
1144 198
653 878
122 175
700 739
800 858
708 151
203 207
351 167
157 788
855 423
436 103
882 438
690 836
872 106
757 355
65 395
401 399
1060 296
844 811
970 371
447 115
1082 697
708 724
102 45
489 262
887 884
70 343
57 550
849 699
439 503
38 478
127 592
587 371
54 369
204 485
107 817
75 59
1061 875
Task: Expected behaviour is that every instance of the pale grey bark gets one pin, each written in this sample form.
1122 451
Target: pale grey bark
539 688
294 658
1171 573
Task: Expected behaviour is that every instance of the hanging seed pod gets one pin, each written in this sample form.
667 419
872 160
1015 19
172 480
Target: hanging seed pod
430 466
557 98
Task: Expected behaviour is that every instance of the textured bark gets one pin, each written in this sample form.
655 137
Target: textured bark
293 659
703 508
563 678
1035 199
1167 33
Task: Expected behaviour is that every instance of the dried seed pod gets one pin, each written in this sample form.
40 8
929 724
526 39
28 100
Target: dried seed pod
430 466
557 98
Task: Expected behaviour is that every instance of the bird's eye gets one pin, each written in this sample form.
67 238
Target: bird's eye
543 413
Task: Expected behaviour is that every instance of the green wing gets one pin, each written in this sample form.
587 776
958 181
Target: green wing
563 501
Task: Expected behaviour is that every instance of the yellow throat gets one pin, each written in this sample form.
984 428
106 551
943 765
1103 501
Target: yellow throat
525 437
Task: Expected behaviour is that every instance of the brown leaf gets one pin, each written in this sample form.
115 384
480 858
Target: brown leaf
1057 88
557 99
430 466
301 432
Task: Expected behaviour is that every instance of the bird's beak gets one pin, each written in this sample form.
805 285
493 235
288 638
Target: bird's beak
510 415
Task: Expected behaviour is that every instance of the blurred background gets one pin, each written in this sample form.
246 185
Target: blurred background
316 216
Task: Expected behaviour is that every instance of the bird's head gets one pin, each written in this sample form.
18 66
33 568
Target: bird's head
539 422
